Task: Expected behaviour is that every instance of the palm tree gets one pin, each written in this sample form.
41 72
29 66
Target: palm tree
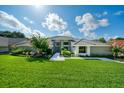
40 43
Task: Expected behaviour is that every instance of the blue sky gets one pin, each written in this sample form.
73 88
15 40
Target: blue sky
79 21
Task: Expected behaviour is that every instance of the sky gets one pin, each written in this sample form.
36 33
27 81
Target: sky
79 21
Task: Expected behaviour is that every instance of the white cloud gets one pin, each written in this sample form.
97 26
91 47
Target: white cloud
106 36
103 22
54 23
115 37
89 23
37 32
105 13
31 22
28 20
101 14
10 22
66 33
119 12
98 15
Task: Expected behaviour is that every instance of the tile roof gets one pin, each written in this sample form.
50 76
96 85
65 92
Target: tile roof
24 43
119 43
15 40
9 41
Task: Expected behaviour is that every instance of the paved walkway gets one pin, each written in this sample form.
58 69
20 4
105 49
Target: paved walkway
96 58
57 57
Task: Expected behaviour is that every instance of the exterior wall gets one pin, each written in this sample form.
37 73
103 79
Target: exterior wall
3 41
100 50
4 49
94 50
76 51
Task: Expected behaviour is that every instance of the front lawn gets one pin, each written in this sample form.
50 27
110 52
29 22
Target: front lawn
32 72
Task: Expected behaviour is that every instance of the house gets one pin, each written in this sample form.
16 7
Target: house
80 47
118 43
6 43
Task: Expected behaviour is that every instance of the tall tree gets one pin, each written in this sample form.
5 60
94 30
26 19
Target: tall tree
12 34
119 38
102 39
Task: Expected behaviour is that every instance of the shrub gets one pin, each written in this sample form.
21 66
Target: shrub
20 51
65 52
116 51
17 51
49 51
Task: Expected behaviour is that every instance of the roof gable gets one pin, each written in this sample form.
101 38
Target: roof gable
15 40
62 38
90 42
10 41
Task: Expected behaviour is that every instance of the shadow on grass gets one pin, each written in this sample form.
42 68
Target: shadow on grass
33 59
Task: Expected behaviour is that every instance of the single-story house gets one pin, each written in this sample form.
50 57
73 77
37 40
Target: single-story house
6 43
80 47
77 46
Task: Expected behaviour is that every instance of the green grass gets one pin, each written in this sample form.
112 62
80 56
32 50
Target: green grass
32 72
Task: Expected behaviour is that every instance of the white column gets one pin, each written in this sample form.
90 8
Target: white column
61 44
88 50
76 50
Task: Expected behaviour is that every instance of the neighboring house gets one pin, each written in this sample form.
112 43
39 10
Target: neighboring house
118 43
24 43
56 43
6 43
3 44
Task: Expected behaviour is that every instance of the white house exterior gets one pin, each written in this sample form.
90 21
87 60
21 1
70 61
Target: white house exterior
58 42
90 50
80 47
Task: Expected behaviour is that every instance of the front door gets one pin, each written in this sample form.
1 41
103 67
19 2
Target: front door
57 46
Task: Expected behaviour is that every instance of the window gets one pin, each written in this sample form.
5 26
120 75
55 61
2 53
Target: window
66 43
82 49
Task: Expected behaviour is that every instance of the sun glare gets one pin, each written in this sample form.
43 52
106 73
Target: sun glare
38 6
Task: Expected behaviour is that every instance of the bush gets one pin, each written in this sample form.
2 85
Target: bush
20 51
49 52
17 51
66 52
